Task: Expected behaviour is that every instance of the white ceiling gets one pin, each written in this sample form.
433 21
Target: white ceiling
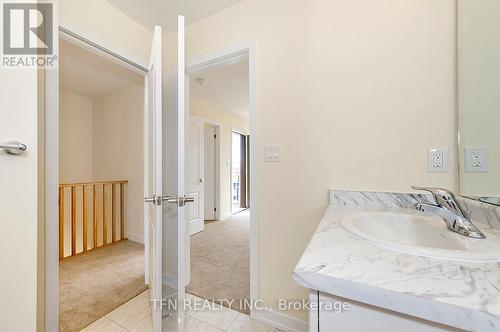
88 74
226 86
164 12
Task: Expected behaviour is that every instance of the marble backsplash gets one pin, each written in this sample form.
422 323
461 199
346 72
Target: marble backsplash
484 213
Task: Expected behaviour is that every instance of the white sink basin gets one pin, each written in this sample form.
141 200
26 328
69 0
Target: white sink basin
421 234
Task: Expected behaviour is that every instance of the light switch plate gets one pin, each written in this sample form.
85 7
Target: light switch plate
437 161
476 160
272 152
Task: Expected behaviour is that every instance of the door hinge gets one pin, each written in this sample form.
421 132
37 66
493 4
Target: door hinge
215 209
215 136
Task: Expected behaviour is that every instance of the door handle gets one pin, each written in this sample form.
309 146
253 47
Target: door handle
188 199
180 201
170 199
13 147
153 199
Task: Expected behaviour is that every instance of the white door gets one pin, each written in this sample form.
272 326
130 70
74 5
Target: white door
209 171
153 158
196 175
174 191
165 184
19 185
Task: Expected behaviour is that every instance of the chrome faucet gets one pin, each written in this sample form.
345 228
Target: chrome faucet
447 207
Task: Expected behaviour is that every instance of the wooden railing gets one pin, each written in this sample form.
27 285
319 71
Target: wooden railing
87 216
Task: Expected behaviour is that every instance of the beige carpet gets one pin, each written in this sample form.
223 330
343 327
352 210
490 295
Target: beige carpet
93 284
220 261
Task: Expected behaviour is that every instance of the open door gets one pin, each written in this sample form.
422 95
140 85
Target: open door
165 183
153 169
196 176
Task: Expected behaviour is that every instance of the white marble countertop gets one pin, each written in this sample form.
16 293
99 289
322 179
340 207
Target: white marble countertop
460 294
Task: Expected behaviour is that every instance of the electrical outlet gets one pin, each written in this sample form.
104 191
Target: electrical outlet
437 160
476 160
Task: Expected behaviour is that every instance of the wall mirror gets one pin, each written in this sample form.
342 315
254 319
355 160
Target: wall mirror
479 99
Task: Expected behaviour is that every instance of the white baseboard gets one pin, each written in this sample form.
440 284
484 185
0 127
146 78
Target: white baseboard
280 320
139 238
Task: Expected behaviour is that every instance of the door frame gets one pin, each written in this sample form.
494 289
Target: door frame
49 151
234 130
220 59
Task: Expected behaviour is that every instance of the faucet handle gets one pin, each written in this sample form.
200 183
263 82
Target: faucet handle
437 193
445 198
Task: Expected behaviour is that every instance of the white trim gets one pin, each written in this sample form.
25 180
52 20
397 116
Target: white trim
280 320
98 49
51 170
254 254
222 58
145 183
134 237
214 62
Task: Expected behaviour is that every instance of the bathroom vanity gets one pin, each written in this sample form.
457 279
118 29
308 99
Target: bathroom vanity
400 269
436 280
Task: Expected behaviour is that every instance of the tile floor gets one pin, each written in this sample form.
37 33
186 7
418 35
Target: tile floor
135 316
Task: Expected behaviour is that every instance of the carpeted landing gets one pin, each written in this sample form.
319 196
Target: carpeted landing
220 261
93 284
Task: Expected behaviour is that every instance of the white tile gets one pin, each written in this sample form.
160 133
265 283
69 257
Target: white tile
216 316
169 323
145 325
191 302
104 325
243 323
131 313
194 325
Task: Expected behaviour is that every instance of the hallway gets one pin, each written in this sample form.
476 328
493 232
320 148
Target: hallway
220 260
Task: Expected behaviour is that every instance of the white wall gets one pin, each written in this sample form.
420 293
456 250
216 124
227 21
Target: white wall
76 130
101 139
479 101
227 122
102 23
355 91
118 150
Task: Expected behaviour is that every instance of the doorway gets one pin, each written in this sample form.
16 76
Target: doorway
171 277
220 255
239 174
211 171
101 181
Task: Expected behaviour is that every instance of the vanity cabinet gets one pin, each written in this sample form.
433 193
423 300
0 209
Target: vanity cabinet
361 317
